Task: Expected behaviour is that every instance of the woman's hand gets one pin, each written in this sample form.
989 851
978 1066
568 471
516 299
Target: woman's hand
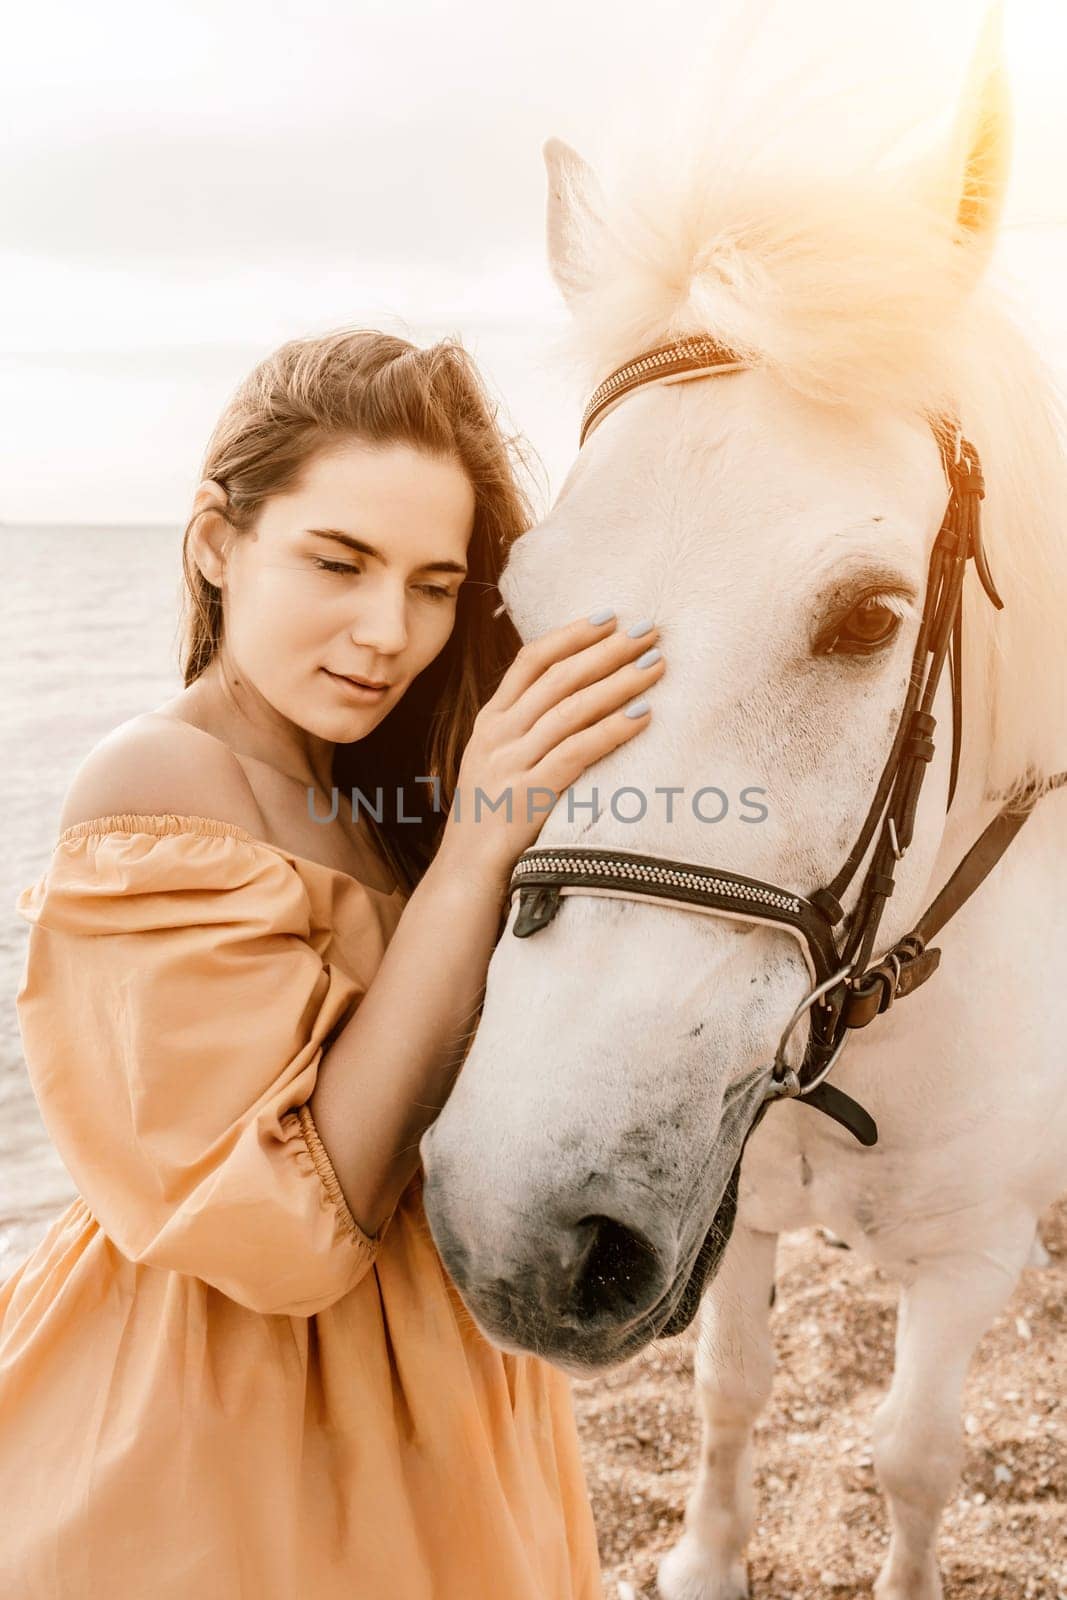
560 707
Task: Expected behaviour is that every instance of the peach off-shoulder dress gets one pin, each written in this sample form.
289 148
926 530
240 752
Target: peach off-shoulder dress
213 1384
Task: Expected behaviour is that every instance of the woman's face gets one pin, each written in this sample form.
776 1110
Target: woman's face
353 573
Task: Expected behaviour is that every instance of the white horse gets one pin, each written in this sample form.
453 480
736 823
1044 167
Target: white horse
764 518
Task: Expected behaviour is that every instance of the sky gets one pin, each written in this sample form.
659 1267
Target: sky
183 186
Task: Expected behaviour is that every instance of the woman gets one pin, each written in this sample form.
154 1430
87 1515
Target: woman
235 1369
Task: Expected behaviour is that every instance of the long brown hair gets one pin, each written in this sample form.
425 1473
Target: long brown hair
374 387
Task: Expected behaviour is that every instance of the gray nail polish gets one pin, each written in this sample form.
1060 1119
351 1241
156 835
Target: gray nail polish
639 628
601 614
637 708
649 658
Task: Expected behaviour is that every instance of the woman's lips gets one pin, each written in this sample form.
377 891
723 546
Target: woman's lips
360 690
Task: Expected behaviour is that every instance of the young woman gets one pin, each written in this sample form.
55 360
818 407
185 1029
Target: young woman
234 1368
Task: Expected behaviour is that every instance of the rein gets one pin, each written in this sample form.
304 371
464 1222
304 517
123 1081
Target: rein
847 991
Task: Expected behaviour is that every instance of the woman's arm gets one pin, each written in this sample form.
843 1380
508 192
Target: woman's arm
388 1072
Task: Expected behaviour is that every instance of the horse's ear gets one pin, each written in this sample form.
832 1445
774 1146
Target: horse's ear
571 216
972 175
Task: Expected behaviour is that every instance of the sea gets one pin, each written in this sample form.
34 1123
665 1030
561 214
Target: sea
88 637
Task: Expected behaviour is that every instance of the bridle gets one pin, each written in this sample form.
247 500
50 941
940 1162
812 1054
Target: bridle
847 992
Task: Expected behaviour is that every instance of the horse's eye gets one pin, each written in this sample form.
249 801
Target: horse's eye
868 626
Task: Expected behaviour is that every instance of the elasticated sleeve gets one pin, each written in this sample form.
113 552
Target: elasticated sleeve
173 1010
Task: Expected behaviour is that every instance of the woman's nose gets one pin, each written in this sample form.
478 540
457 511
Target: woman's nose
382 622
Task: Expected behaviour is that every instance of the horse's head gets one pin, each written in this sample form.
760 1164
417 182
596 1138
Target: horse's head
777 523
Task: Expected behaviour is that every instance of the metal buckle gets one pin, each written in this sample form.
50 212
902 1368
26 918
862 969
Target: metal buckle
785 1084
895 959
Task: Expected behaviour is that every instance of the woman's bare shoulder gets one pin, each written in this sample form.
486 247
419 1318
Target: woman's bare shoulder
159 764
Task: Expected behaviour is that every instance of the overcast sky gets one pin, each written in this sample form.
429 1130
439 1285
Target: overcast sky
185 185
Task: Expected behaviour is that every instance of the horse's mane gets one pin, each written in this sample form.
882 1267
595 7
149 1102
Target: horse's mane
853 288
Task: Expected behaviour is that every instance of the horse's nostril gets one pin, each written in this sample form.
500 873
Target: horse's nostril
611 1272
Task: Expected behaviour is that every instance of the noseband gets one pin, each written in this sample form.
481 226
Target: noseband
847 992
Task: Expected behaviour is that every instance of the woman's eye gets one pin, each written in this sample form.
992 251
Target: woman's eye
432 589
333 566
868 625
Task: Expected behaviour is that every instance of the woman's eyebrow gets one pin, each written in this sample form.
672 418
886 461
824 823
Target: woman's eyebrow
364 549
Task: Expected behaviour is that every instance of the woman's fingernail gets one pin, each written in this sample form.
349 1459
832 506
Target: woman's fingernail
637 708
649 658
639 628
601 614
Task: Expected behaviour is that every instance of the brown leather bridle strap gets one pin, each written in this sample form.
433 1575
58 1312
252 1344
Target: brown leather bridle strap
906 766
911 962
698 355
980 860
958 539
